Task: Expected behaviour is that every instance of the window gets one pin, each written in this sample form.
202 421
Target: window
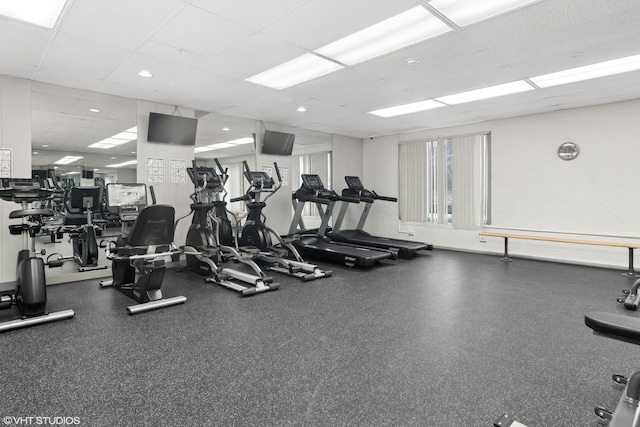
318 164
235 186
446 181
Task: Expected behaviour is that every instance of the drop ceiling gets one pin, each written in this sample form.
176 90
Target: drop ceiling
201 51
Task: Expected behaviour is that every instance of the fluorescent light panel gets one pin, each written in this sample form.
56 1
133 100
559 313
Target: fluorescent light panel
486 93
220 145
593 71
465 12
40 12
67 159
414 107
119 165
296 71
118 139
410 27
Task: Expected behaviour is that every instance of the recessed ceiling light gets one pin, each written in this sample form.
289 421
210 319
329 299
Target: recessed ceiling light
486 93
45 146
301 109
44 12
119 165
35 152
296 71
94 110
601 69
145 73
226 129
465 12
407 108
123 137
67 159
412 61
407 28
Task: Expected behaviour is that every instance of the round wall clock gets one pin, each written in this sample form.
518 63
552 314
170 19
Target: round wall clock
568 151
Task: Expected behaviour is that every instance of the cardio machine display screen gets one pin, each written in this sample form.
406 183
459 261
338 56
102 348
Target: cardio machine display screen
354 183
126 195
213 180
312 182
262 178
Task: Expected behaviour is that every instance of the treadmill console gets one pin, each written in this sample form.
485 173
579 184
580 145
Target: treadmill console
354 183
312 182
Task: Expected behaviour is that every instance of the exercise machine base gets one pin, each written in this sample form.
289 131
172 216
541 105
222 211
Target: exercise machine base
36 320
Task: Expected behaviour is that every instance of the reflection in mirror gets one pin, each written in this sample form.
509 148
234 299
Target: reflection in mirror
96 134
224 136
88 125
229 139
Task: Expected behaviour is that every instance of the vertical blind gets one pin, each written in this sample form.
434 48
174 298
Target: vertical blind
445 180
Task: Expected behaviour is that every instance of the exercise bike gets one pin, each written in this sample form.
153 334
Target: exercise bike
276 253
81 205
207 244
139 254
30 291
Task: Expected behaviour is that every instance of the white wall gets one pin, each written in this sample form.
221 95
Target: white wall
167 193
345 158
15 133
533 189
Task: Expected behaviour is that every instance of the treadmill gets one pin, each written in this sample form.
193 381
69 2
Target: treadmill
314 243
356 190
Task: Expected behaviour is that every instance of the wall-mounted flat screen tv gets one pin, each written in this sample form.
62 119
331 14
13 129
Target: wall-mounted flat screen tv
278 143
176 130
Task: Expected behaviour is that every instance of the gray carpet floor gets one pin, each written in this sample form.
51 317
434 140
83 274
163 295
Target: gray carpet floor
444 339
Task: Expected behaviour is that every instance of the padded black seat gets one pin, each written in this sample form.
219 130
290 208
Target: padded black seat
152 232
617 326
138 267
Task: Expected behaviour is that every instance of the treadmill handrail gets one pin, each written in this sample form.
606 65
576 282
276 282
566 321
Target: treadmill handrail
384 198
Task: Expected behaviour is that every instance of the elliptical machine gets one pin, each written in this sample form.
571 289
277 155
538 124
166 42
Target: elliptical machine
30 292
207 246
282 256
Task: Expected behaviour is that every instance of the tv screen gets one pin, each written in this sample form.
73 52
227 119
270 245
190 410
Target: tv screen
87 174
176 130
278 143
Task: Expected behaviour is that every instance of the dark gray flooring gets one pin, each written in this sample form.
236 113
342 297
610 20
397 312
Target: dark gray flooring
446 339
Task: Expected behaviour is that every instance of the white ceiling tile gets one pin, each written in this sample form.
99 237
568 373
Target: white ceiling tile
200 32
252 55
251 13
163 72
23 43
169 53
319 22
82 56
120 23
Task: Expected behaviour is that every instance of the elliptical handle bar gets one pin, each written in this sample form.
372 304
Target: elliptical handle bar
222 170
153 194
275 166
243 198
